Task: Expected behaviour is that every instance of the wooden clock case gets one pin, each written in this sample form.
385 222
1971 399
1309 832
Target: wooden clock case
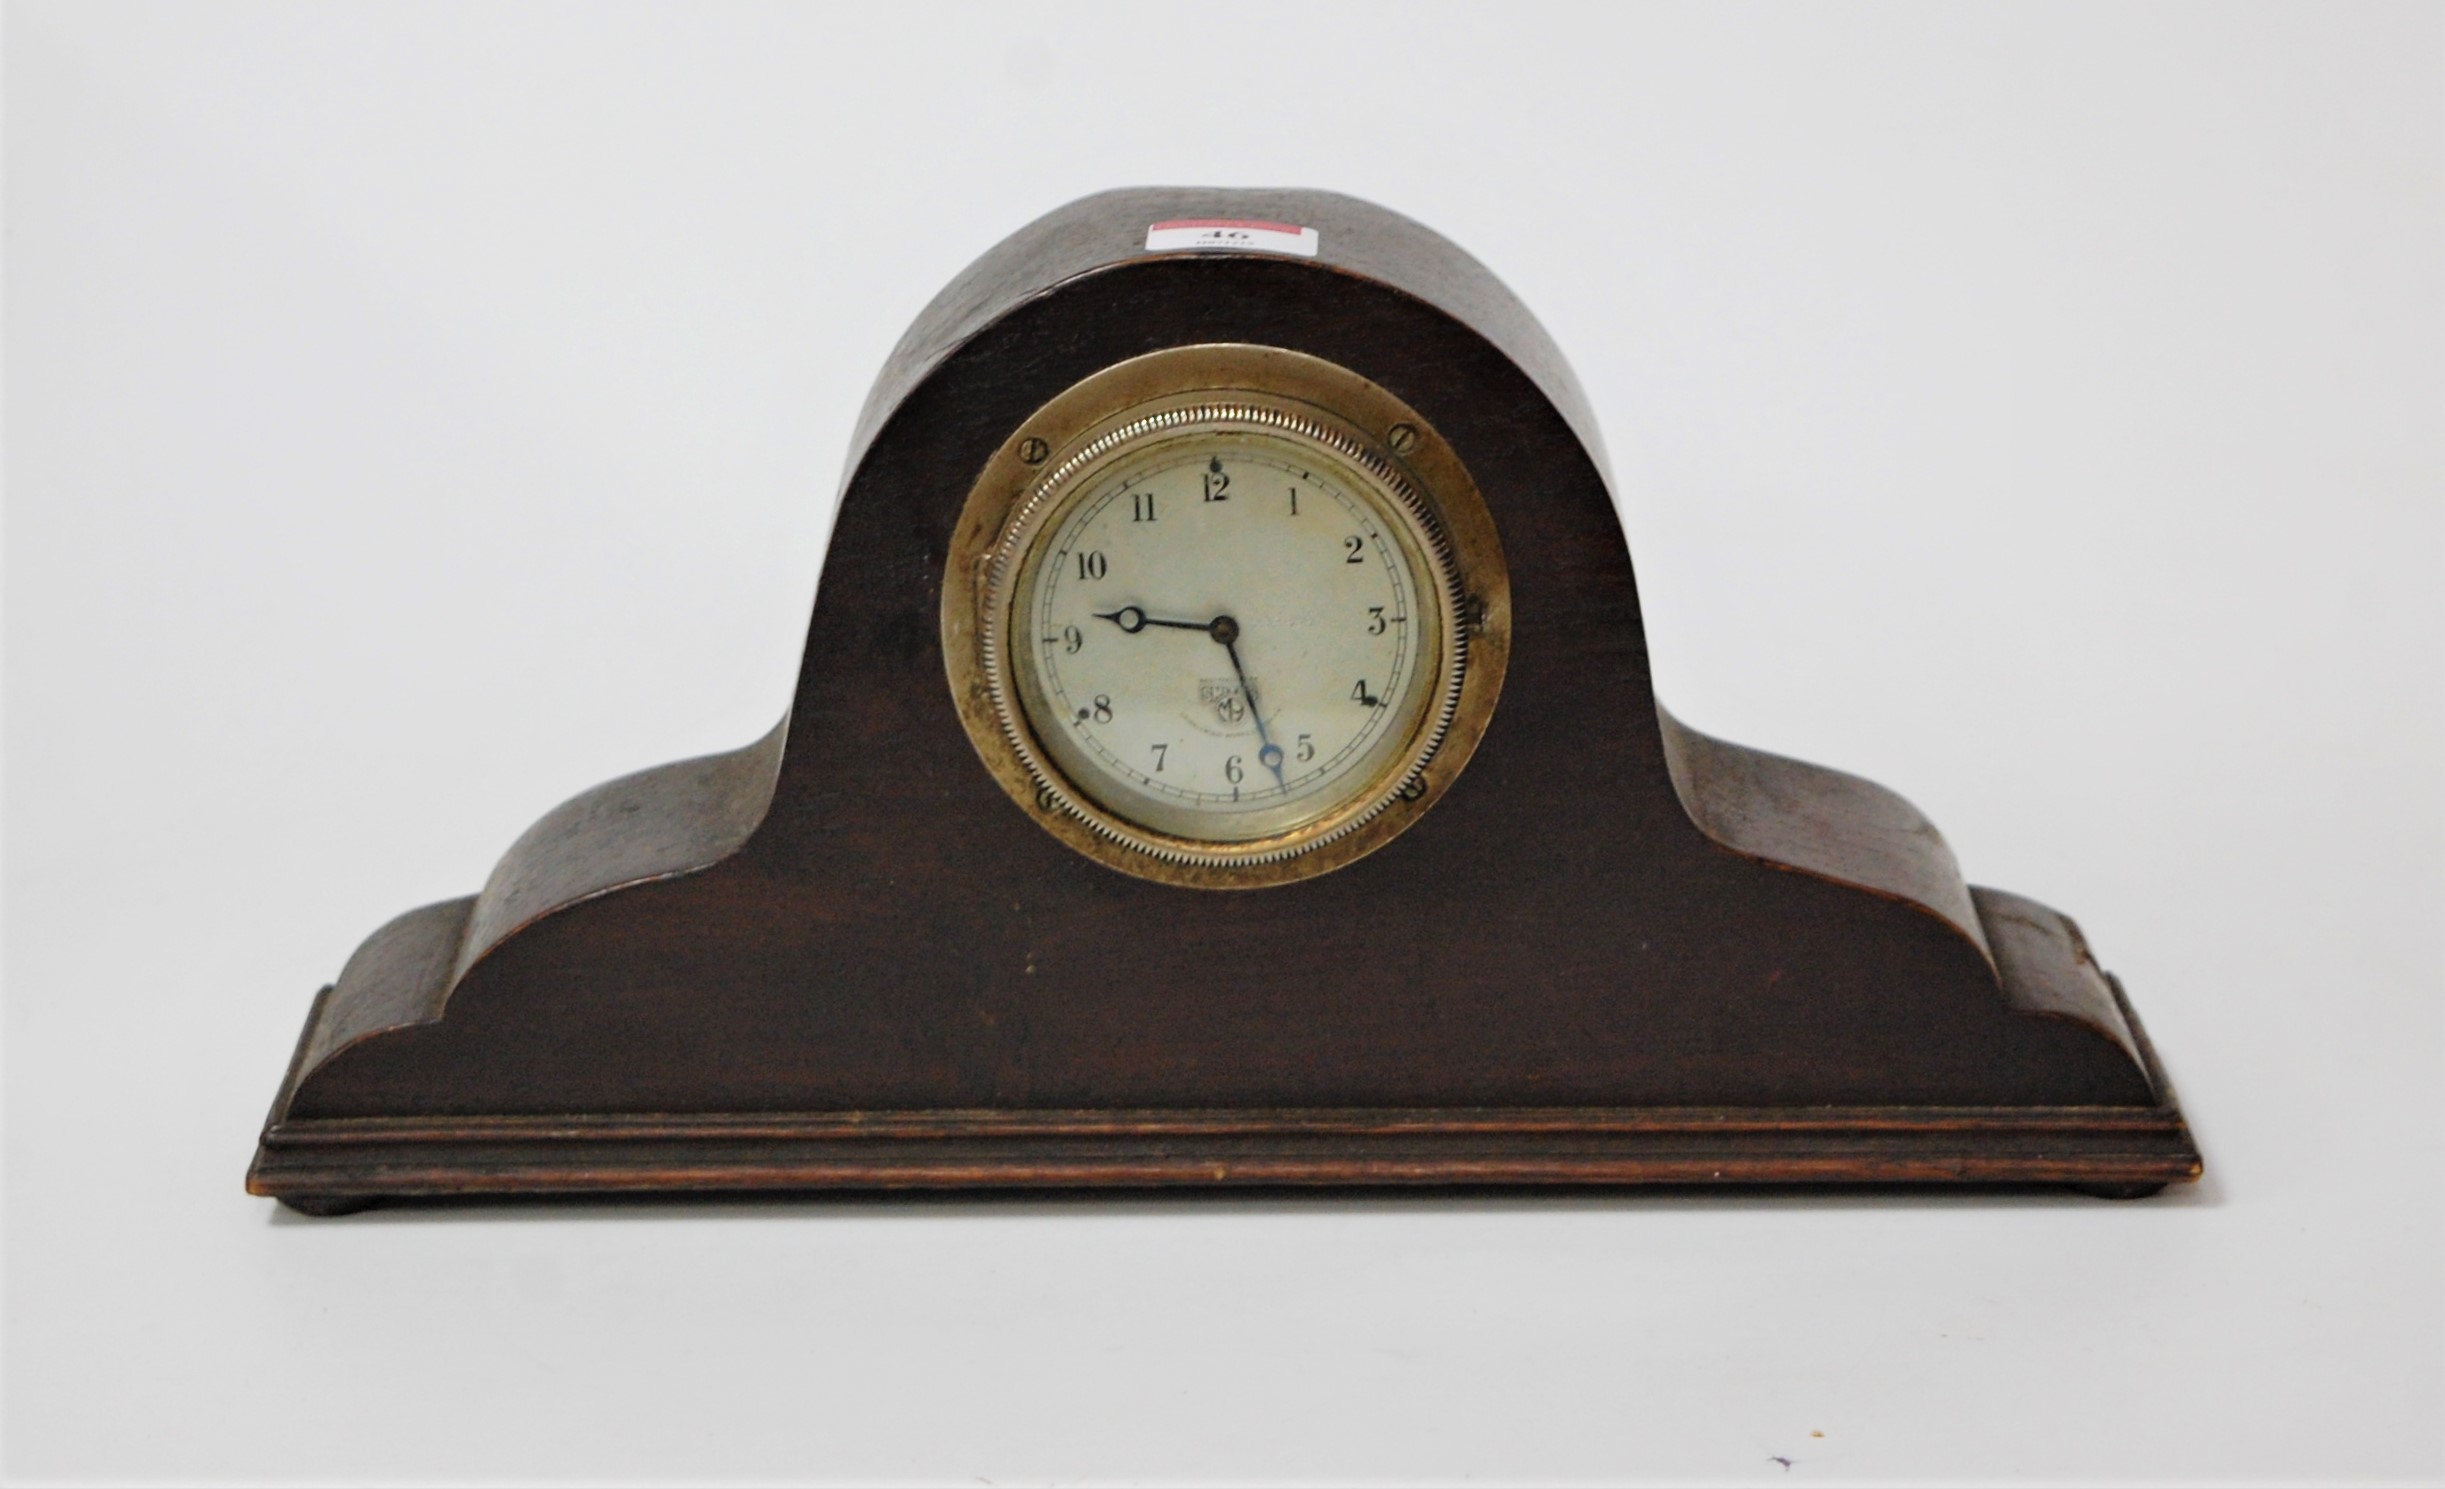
1617 951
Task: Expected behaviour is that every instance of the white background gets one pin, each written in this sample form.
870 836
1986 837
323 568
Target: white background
416 415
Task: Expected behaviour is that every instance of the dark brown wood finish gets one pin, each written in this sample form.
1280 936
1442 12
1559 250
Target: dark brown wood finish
1618 951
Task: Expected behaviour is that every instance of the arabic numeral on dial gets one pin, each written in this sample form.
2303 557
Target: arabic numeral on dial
1217 483
1102 708
1091 566
1160 750
1294 501
1375 620
1232 771
1141 506
1071 640
1359 694
1358 549
1307 748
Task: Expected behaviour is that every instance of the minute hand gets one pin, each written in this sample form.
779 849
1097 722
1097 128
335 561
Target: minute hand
1226 630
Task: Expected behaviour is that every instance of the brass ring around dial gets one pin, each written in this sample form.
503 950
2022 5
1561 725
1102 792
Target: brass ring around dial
1418 507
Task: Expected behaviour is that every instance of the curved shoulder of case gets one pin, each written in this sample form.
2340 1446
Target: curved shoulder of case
1618 950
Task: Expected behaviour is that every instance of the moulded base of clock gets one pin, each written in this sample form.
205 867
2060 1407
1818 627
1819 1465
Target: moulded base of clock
1225 753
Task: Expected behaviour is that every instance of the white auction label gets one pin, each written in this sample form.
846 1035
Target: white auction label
1231 235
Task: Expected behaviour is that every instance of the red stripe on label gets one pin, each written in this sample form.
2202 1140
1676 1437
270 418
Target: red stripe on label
1266 227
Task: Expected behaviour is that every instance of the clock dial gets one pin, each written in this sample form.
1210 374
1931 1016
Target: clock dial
1220 635
1225 616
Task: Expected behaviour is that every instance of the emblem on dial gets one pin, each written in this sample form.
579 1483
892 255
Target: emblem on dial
1212 629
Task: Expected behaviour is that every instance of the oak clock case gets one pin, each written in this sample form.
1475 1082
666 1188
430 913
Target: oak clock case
1511 922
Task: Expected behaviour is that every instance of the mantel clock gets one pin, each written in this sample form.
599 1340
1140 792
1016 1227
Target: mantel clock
1225 754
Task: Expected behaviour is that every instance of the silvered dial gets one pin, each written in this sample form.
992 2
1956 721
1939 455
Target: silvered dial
1231 631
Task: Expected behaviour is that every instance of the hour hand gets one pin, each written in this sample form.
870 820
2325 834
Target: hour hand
1133 620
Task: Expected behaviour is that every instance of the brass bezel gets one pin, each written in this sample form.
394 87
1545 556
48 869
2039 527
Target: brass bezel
1029 478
